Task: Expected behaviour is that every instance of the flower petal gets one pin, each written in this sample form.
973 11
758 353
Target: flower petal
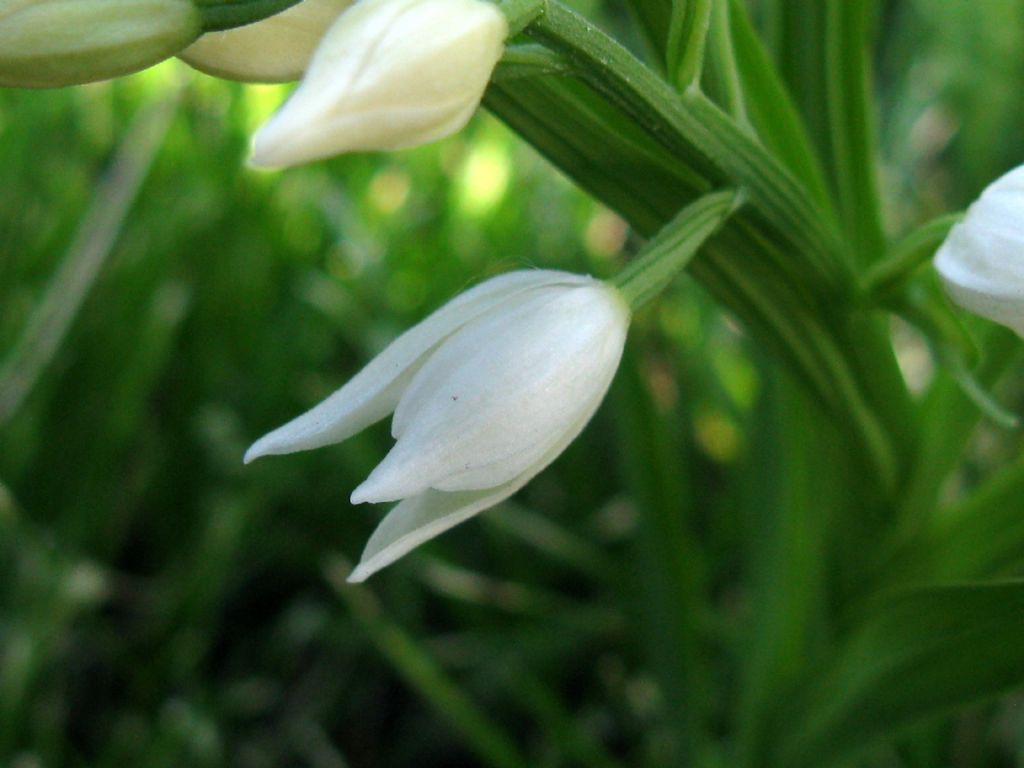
501 391
375 391
420 518
274 50
378 82
982 260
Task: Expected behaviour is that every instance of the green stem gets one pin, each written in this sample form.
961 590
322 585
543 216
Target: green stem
692 126
673 247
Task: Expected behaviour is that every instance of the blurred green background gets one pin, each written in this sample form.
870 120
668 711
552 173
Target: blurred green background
162 605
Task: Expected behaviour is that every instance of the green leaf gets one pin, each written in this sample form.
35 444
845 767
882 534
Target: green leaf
854 156
822 54
654 17
687 34
667 589
574 741
799 50
948 417
976 392
769 105
788 481
410 659
918 655
721 80
982 536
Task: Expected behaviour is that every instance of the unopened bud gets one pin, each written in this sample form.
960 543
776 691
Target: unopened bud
388 74
275 50
982 260
51 43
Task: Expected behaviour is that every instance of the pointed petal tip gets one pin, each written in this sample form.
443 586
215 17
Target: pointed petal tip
256 451
375 562
289 138
360 574
382 485
259 164
269 148
261 158
362 494
252 453
265 446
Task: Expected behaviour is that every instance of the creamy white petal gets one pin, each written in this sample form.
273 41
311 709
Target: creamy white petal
431 513
275 50
54 43
389 74
375 391
501 391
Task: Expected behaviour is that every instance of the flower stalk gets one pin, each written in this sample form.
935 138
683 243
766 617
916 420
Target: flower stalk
915 250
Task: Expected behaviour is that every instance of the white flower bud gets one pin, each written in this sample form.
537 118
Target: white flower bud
275 50
982 260
486 392
388 74
52 43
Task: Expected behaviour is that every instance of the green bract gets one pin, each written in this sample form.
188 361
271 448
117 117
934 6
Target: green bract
51 43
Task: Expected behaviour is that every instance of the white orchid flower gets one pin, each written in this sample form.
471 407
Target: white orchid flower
388 74
275 50
486 392
982 260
